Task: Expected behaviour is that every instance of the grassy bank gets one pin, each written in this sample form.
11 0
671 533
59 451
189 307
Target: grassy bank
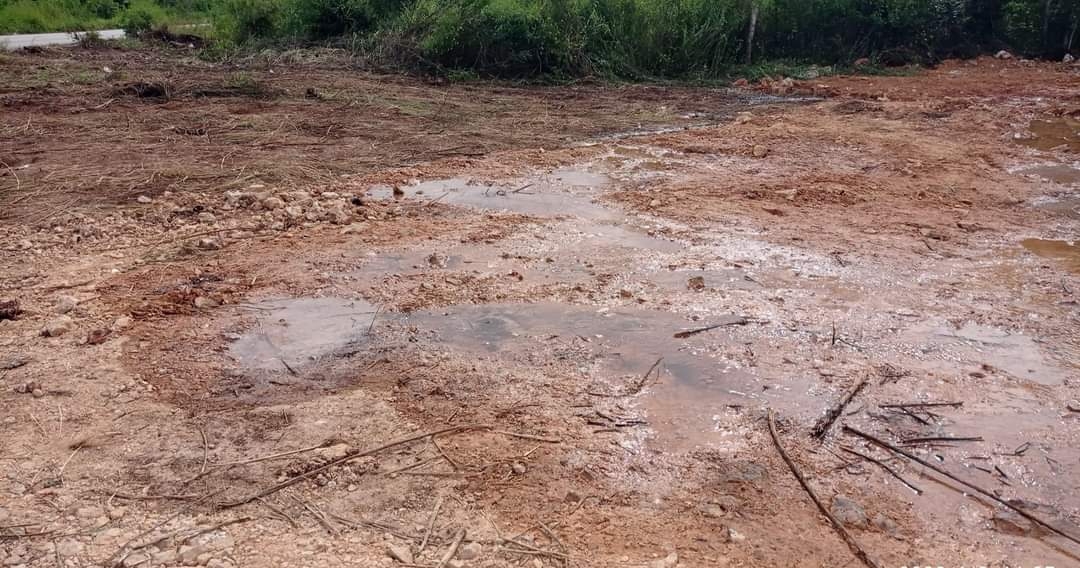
634 39
39 16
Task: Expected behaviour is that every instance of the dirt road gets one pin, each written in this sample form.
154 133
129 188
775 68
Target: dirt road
288 313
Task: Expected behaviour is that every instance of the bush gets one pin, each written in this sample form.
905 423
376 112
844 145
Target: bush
141 18
242 21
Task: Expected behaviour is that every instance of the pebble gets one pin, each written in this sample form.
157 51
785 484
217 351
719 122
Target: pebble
144 199
760 151
470 551
57 327
136 559
669 561
848 512
207 217
519 468
121 322
65 304
400 553
209 243
206 302
273 203
68 547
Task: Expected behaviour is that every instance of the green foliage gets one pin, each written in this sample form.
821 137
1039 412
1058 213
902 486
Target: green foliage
245 20
688 39
141 17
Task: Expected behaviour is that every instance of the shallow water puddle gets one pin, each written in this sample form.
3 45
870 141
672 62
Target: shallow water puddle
1065 252
1059 173
1058 133
564 192
291 333
1015 353
696 397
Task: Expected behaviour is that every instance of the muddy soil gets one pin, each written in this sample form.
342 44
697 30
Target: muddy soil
287 313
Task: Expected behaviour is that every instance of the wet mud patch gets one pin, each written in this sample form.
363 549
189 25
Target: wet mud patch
292 334
1067 253
688 390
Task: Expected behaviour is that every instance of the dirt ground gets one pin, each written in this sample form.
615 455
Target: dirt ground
289 313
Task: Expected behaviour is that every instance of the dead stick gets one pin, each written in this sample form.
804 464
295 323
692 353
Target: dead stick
852 544
272 457
886 467
527 436
822 427
450 552
348 457
431 526
925 439
945 473
921 404
690 332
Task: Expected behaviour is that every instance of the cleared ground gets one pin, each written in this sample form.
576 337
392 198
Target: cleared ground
231 289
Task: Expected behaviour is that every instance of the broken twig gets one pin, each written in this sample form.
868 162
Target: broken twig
830 417
844 534
968 484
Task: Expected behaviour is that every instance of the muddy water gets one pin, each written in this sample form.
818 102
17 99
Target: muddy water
1054 134
693 401
292 333
1060 173
974 345
1065 252
565 192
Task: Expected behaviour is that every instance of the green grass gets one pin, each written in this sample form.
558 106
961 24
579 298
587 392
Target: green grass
42 16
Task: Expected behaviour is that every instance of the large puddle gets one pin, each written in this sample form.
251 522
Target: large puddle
1054 134
1065 252
692 399
564 192
974 344
293 333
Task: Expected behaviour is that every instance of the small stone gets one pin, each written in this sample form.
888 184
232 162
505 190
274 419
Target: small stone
696 283
470 551
654 203
207 217
1003 55
330 195
788 194
97 336
626 294
143 199
735 536
1068 58
117 512
37 393
272 203
168 556
400 553
89 512
121 322
136 559
760 151
519 468
68 547
885 524
669 561
573 496
294 213
202 302
65 304
848 512
57 327
209 243
437 260
218 563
